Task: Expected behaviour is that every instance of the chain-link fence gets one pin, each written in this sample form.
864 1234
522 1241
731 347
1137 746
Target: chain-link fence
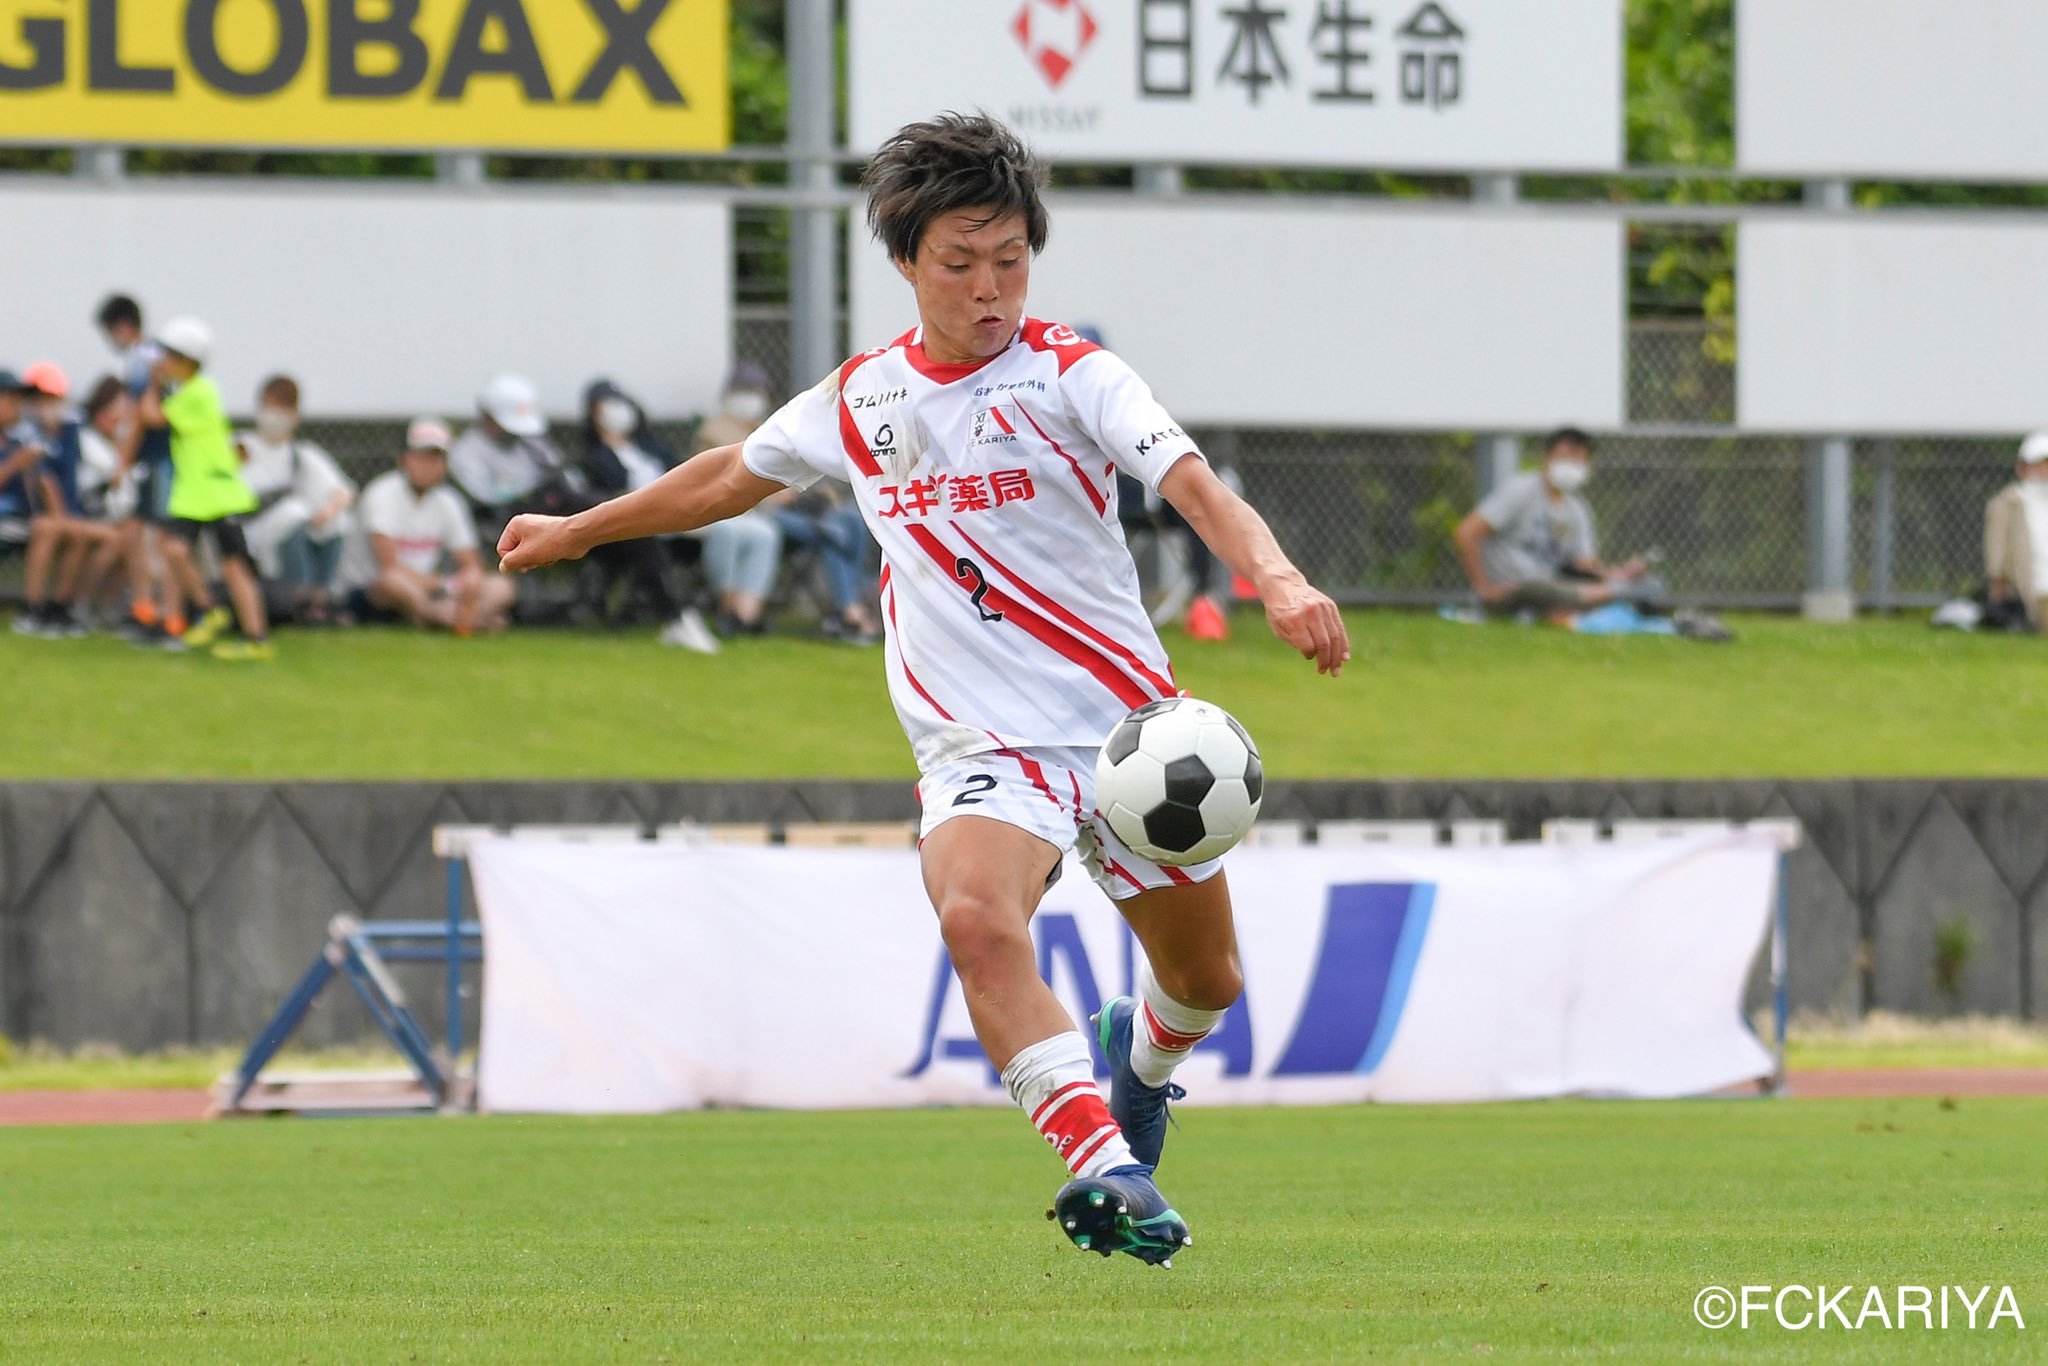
1370 515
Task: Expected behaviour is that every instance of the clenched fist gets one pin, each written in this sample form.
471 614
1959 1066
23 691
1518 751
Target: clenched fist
532 541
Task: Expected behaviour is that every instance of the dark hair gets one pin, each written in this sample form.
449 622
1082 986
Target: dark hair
1568 436
119 308
953 162
283 388
107 392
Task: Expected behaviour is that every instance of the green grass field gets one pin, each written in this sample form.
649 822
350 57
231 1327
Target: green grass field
1507 1232
1421 699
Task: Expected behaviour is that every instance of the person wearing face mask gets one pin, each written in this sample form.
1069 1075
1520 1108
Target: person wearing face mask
303 500
2016 542
620 454
1530 546
742 560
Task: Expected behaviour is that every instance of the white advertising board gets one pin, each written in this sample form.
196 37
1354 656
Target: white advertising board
1911 328
1898 88
384 301
1446 84
630 977
1310 316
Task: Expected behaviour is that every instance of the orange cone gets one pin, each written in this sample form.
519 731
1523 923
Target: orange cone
1205 621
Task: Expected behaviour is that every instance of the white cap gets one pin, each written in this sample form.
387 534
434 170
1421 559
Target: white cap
428 434
2034 449
512 403
189 337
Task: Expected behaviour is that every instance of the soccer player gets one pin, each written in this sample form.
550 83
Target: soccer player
982 447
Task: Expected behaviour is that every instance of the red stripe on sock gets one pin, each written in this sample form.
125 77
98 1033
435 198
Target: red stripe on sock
1057 1098
1162 1037
1079 1125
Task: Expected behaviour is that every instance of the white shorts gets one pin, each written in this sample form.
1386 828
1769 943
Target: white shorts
1050 791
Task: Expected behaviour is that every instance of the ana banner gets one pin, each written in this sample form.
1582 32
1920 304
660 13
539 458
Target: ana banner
648 977
515 75
1445 84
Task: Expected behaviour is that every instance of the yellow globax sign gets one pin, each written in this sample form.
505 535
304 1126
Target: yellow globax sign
615 76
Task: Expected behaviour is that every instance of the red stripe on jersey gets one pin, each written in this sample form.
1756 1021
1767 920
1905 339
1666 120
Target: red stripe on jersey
1166 1038
1075 779
1064 342
930 701
849 431
939 372
1038 628
1124 652
1176 876
1003 422
1094 494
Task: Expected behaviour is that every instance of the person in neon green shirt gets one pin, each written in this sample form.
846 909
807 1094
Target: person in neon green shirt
207 494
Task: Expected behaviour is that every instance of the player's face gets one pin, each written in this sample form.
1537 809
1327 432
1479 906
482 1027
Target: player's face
970 278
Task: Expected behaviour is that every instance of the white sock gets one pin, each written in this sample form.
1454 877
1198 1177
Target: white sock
1165 1031
1054 1080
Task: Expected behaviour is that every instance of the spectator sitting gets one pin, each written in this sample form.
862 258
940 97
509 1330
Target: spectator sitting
743 562
2016 542
207 495
822 518
505 464
61 536
107 488
23 486
621 454
303 501
1530 547
409 524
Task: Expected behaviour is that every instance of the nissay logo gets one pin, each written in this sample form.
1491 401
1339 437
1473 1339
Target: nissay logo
1372 936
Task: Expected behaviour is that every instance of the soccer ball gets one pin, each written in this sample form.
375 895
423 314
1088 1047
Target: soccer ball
1179 781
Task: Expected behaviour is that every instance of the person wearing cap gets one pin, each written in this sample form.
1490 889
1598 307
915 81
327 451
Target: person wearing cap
208 496
505 464
61 535
411 526
2016 539
303 502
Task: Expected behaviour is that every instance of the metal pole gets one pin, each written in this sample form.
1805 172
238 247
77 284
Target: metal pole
454 950
1829 596
97 161
465 169
1159 179
1780 932
814 285
1497 456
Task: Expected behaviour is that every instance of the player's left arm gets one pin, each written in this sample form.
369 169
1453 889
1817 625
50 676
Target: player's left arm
1299 614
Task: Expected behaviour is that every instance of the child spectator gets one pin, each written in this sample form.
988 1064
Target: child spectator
302 500
107 490
207 495
410 524
154 616
61 536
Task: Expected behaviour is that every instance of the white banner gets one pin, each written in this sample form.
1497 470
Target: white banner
384 300
1892 88
1440 84
1408 319
1862 327
649 977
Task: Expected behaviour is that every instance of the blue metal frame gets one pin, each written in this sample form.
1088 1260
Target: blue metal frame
353 952
1780 929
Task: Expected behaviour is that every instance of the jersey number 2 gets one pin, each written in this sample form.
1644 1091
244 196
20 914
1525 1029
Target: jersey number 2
967 571
978 786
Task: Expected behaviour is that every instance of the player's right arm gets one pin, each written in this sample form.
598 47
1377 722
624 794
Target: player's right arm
704 489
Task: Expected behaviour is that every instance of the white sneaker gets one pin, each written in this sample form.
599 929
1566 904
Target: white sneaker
689 632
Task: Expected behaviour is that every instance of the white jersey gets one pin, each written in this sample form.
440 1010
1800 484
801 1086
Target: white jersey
1011 604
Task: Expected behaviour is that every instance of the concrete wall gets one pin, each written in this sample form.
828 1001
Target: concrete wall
154 914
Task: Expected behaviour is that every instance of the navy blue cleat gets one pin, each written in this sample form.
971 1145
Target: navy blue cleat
1120 1211
1139 1110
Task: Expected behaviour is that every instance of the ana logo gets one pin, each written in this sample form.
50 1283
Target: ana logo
1372 935
1054 34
